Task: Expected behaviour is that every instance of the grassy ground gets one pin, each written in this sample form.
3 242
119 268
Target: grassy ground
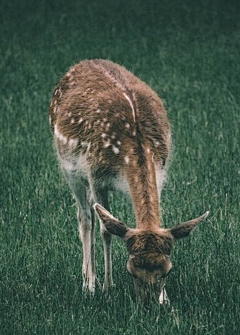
189 52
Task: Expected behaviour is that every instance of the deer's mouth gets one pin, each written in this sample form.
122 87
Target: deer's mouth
147 292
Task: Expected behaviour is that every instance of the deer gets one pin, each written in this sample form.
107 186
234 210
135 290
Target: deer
112 134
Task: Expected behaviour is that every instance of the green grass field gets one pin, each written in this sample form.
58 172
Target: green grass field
189 52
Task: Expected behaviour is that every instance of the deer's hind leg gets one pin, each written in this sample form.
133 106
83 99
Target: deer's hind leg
100 195
86 216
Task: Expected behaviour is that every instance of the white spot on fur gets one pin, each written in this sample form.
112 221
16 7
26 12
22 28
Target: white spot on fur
119 142
103 135
107 144
126 159
80 120
127 125
72 120
115 150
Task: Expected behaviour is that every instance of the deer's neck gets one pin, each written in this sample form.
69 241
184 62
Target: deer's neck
141 176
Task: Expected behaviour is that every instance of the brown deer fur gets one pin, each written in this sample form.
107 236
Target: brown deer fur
112 133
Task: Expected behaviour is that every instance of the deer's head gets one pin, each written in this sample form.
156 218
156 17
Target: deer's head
149 251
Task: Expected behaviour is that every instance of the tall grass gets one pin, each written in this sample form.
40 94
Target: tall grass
188 51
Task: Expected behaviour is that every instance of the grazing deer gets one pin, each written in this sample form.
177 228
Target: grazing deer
112 133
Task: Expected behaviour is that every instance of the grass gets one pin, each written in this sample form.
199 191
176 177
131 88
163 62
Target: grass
188 51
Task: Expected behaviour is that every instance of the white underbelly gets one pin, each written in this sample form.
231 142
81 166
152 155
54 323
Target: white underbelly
79 166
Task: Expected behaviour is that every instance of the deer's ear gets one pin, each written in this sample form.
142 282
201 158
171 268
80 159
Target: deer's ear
112 225
185 228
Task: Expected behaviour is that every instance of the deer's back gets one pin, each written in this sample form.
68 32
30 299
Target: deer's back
103 113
